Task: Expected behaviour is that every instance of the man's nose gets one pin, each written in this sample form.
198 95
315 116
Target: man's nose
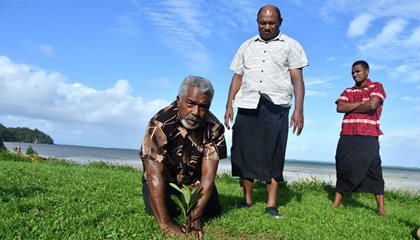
195 110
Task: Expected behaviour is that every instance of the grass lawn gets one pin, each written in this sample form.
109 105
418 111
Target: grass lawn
53 199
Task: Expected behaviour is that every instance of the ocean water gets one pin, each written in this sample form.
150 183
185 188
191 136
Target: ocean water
82 154
407 179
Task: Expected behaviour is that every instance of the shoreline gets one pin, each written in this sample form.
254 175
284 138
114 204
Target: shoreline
396 178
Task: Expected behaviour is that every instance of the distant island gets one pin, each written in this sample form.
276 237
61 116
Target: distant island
24 135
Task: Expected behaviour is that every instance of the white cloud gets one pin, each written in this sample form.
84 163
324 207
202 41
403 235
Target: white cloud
410 99
316 87
162 82
409 72
126 25
334 9
46 49
182 27
185 26
387 32
414 39
359 25
389 35
77 111
399 146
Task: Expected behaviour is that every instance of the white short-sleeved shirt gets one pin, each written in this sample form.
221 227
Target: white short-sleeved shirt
265 67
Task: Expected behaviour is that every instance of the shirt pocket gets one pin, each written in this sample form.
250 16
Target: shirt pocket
279 55
280 59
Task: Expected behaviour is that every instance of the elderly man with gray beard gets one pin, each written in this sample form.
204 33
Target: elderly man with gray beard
183 144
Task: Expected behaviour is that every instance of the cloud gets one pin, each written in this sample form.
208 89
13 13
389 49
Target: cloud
391 34
387 33
162 82
411 99
46 49
333 9
181 28
414 39
400 143
409 72
36 96
316 87
184 27
126 25
359 25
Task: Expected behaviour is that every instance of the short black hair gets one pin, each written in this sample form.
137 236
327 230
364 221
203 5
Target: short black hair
275 9
364 64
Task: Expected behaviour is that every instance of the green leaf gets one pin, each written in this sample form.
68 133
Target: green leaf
194 201
187 194
178 202
175 186
195 189
180 220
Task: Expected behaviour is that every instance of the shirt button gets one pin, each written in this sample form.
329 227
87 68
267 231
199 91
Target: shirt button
265 51
263 60
262 70
260 81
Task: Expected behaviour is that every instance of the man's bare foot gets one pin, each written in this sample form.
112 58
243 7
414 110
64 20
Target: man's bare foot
337 200
381 212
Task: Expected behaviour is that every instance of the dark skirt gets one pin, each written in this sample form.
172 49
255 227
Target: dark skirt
259 141
358 165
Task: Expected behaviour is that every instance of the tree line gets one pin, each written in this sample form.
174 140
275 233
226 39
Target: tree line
24 135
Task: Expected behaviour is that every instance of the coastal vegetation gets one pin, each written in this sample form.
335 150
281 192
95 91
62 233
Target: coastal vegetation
56 199
2 147
24 135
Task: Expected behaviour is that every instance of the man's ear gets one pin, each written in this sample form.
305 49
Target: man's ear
280 21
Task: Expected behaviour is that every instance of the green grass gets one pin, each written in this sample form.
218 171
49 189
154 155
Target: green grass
52 199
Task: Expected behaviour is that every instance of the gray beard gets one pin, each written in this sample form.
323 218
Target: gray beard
188 126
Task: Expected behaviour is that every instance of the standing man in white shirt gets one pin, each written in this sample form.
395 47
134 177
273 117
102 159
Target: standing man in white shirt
267 72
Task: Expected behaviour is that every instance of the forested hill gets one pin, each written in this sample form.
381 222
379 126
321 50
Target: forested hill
23 134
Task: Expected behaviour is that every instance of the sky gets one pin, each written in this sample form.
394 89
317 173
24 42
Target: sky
93 72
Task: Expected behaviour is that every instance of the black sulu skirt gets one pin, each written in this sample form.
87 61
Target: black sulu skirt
259 141
358 165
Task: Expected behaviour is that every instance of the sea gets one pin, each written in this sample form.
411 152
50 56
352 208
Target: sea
399 178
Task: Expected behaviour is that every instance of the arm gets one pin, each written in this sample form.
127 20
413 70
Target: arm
235 85
209 170
359 107
299 92
156 185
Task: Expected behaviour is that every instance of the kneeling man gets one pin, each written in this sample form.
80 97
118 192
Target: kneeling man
182 145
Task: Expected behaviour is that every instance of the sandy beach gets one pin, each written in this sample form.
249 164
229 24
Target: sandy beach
395 179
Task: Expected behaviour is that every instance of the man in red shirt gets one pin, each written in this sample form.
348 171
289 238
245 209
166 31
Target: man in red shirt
358 162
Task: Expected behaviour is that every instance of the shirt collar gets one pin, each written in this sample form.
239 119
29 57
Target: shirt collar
367 84
279 37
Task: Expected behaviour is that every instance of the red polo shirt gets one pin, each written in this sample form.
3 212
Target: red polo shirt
365 124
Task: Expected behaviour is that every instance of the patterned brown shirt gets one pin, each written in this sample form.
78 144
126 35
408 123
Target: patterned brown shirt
180 150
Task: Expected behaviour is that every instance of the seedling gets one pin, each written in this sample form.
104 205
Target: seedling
187 204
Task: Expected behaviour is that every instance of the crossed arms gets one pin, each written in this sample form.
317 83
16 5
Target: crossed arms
359 107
